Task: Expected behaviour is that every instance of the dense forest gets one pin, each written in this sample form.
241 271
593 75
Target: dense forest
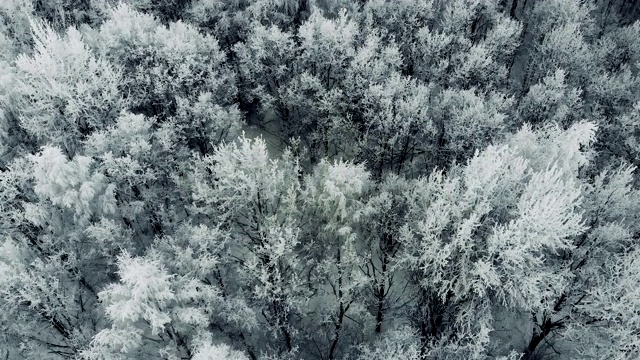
319 179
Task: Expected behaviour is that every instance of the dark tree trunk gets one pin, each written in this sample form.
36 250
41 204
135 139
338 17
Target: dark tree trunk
538 335
514 6
381 295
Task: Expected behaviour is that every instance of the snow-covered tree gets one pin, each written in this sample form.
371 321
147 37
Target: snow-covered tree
266 65
488 234
333 200
385 213
551 100
64 91
52 265
442 191
15 28
297 78
257 200
400 20
561 32
397 125
163 65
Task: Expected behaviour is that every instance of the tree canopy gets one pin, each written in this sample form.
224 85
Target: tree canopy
319 179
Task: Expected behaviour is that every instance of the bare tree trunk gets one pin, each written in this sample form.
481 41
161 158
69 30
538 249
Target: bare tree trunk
539 333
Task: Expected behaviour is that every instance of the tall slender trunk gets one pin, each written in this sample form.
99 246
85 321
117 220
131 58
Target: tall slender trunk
342 310
388 247
382 294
